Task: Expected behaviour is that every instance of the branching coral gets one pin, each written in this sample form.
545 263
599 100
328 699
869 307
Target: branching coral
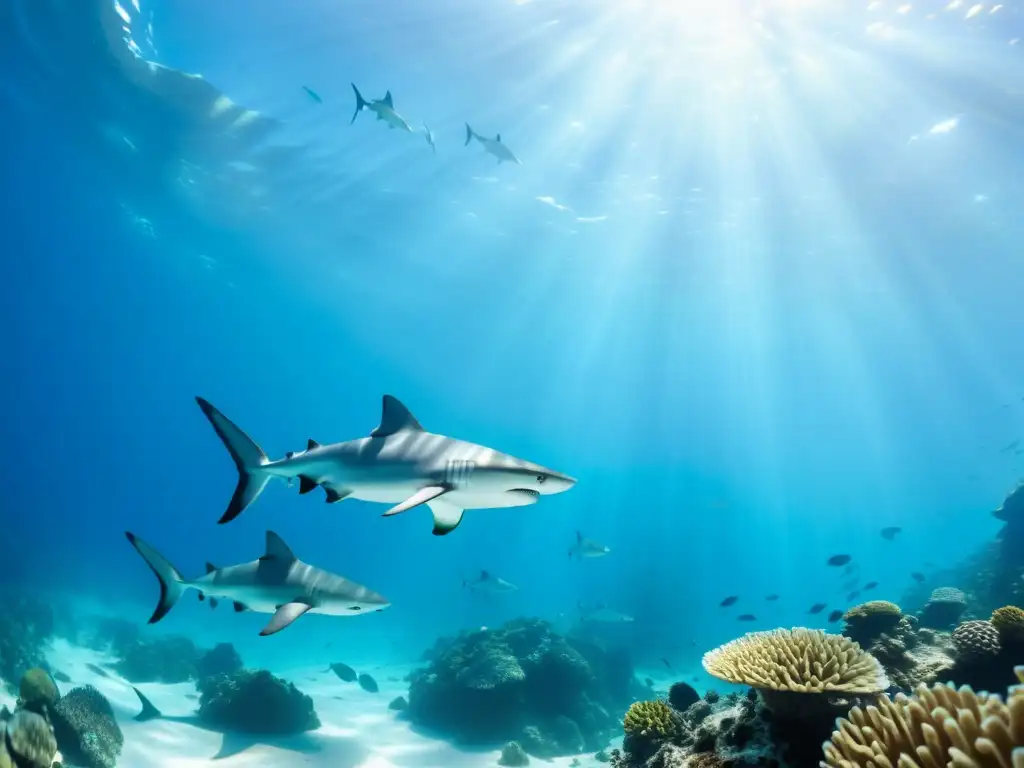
798 660
937 726
650 718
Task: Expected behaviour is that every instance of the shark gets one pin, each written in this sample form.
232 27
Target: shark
277 583
385 109
493 146
585 547
429 135
400 463
486 582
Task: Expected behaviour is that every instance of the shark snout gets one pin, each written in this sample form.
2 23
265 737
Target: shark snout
556 482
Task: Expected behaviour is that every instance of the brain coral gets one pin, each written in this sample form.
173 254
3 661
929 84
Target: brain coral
937 726
976 638
799 660
1009 620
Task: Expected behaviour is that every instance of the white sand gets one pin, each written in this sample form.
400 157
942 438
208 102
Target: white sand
357 728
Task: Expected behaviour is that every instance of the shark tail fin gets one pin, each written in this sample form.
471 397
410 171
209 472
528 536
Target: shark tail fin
470 133
360 104
149 712
170 580
248 457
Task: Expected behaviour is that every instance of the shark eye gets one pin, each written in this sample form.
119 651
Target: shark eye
541 479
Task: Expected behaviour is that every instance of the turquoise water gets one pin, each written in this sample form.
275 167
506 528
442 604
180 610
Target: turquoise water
755 285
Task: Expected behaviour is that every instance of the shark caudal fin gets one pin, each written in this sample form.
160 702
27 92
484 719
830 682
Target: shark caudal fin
248 457
470 133
361 103
170 580
149 712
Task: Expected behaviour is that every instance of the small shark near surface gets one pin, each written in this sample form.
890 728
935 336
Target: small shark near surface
399 463
277 583
585 547
485 582
385 109
493 146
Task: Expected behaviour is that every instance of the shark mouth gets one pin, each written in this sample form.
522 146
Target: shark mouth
526 492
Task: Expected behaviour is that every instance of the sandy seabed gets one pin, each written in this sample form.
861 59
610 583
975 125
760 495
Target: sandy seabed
357 728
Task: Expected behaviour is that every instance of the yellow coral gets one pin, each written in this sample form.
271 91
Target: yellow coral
1009 620
937 726
798 660
37 689
873 608
649 718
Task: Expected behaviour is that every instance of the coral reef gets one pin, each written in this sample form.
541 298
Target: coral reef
513 755
648 725
523 682
26 741
86 731
26 623
937 726
1011 537
911 656
37 690
255 702
976 639
797 660
864 623
1009 621
170 659
681 695
944 608
113 634
222 659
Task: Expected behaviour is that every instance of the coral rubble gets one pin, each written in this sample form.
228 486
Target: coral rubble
523 682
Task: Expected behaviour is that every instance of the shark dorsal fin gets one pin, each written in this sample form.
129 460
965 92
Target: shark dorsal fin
210 567
311 444
484 575
388 100
277 549
498 138
579 537
395 417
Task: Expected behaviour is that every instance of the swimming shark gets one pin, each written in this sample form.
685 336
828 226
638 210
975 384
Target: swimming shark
429 134
604 615
385 109
585 547
399 463
277 583
493 146
488 583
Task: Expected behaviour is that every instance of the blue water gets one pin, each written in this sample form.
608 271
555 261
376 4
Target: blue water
756 285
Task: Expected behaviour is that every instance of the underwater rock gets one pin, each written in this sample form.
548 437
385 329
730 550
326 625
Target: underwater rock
87 733
222 659
523 682
30 740
171 659
681 695
513 754
26 623
944 608
398 704
255 702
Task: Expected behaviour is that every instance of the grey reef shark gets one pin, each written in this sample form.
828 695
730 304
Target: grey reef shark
492 146
384 108
277 583
399 463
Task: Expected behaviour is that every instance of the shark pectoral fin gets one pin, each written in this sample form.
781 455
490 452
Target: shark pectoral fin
422 496
239 607
306 484
447 517
284 616
334 496
213 603
201 597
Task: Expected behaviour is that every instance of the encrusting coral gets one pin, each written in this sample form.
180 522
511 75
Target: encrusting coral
937 726
798 660
865 622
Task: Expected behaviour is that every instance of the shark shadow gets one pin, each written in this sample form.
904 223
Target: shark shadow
236 742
